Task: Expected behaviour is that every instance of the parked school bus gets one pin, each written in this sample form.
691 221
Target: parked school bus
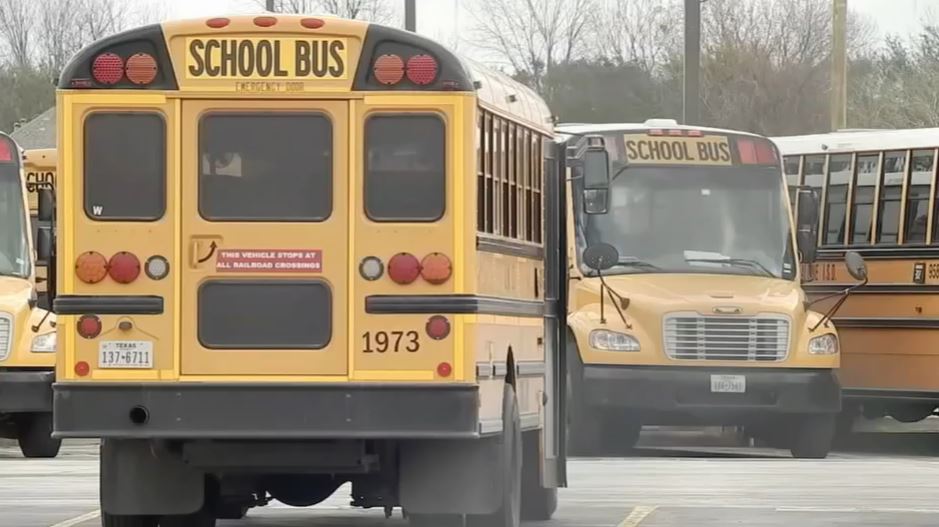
39 165
685 305
878 190
27 334
296 252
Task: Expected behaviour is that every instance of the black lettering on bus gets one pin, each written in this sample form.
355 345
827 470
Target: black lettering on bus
264 62
229 57
725 151
665 151
196 47
631 152
654 150
644 153
337 66
302 67
320 56
212 70
279 71
704 151
245 58
681 151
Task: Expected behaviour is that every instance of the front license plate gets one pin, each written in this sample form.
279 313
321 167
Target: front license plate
728 384
135 354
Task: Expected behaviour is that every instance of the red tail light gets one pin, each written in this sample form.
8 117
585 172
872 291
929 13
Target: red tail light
444 369
141 69
82 368
108 68
217 23
89 326
436 268
765 153
265 21
389 69
438 327
124 267
422 69
747 151
91 267
6 150
404 268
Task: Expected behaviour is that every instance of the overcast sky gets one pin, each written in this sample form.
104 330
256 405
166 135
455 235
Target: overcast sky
442 19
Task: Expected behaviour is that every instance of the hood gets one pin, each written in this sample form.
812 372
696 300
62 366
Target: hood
14 293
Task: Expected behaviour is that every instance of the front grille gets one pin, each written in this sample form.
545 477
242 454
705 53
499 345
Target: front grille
691 336
6 335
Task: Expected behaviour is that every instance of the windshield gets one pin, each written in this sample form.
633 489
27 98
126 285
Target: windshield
727 220
14 247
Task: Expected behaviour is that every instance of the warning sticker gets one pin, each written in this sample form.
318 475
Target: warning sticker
269 261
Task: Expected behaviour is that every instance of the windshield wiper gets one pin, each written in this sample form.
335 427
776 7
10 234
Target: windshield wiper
638 263
738 262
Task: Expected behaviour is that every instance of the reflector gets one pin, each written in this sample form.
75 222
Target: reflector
108 68
389 69
422 69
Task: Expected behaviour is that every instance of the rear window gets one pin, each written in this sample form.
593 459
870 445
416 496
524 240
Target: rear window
125 166
265 167
405 170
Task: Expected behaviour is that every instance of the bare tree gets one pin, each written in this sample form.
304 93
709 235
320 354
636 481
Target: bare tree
372 10
532 36
15 24
639 32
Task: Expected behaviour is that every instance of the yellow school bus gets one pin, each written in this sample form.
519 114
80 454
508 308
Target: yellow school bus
696 315
878 193
39 165
27 334
296 252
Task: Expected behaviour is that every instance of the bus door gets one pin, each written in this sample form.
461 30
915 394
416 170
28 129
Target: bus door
264 213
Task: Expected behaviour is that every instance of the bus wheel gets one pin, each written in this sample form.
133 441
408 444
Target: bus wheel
109 520
509 512
582 428
34 434
911 413
812 436
203 518
538 503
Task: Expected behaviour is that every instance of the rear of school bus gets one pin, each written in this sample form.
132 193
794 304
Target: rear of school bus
704 321
27 334
267 275
40 167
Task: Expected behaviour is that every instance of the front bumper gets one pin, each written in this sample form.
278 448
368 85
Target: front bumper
683 389
26 391
179 410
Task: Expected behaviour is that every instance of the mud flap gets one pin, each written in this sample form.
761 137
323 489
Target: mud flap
141 477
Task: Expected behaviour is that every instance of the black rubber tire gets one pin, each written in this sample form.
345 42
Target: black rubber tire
34 435
509 512
911 413
203 518
812 436
108 520
231 511
583 430
538 503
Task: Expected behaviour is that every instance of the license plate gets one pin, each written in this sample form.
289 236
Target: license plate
728 383
134 354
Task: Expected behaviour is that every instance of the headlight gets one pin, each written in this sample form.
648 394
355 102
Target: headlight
602 339
44 343
824 345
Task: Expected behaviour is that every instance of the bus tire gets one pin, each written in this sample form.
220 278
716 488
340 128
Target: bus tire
538 503
34 435
435 520
583 433
508 514
110 520
812 436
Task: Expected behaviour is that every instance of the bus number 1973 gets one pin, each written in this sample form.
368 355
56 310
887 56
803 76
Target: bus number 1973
393 341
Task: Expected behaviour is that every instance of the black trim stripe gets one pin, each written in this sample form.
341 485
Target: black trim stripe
881 253
873 289
886 322
107 305
889 394
452 304
509 247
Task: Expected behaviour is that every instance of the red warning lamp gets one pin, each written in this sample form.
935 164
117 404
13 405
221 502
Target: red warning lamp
388 69
422 69
89 326
108 68
747 150
141 69
312 23
217 23
264 21
124 267
6 150
404 268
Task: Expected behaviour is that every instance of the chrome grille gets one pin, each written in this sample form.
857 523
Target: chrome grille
692 336
6 334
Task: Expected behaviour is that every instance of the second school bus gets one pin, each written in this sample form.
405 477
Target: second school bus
40 167
296 252
697 316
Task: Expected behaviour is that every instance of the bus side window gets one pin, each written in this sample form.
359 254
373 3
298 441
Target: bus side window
862 202
917 196
836 198
813 171
891 190
791 169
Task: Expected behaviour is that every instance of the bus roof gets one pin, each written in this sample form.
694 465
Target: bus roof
858 141
651 124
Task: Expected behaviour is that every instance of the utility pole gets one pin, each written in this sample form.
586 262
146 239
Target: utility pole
410 15
692 77
839 64
270 6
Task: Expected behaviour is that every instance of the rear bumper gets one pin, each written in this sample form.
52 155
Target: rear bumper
675 389
264 410
26 391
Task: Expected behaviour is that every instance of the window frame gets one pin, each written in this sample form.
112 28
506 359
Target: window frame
164 165
439 117
929 197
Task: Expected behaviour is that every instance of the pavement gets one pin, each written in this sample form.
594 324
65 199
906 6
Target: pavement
676 478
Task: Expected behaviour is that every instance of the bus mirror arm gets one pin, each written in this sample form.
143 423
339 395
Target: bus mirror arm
42 321
834 309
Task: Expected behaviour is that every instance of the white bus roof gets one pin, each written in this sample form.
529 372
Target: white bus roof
650 124
858 141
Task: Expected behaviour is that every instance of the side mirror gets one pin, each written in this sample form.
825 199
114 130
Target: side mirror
808 245
596 168
601 256
44 242
46 205
854 262
807 213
